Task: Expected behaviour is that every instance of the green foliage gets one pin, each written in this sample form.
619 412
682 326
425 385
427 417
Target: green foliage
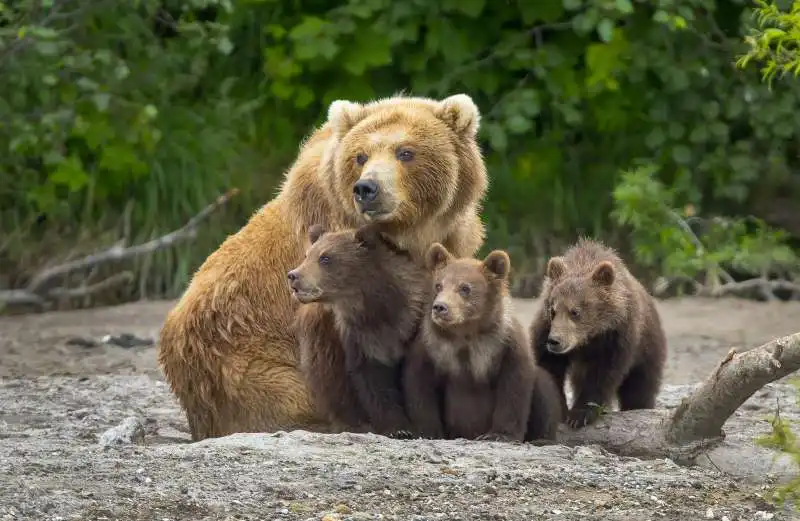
775 42
137 117
664 239
782 439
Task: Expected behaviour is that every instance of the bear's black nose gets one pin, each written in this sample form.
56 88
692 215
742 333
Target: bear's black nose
553 342
292 276
365 190
439 308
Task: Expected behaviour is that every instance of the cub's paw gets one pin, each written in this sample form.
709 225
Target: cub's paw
581 417
496 436
402 435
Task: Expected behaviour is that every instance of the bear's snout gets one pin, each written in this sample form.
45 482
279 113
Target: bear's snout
365 190
554 344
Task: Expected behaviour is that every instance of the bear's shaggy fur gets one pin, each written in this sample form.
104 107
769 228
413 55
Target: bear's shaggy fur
471 373
377 295
227 348
598 324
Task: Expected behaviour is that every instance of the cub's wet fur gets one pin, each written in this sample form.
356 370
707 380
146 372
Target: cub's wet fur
377 294
471 373
600 326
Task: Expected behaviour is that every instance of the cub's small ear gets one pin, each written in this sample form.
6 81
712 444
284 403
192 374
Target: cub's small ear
315 232
369 235
460 113
604 273
556 268
344 115
437 257
498 263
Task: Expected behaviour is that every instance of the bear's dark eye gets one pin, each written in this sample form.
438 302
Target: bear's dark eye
361 159
324 259
465 290
405 155
574 314
438 287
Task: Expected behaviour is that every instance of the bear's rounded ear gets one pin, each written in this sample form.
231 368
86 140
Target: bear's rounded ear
315 232
556 268
344 115
437 256
604 273
460 113
368 235
498 263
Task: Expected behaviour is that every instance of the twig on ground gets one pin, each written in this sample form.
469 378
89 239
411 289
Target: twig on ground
765 286
42 290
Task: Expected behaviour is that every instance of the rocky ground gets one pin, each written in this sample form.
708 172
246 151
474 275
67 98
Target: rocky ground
58 397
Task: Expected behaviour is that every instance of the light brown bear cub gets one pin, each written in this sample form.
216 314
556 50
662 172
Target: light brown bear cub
598 324
376 294
471 373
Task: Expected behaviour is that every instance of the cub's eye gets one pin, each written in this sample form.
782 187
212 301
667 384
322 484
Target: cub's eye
361 159
404 155
574 314
438 287
324 259
465 290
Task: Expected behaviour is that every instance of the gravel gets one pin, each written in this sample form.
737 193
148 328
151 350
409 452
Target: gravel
116 447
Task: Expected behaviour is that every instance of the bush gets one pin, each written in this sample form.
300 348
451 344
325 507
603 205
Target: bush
142 114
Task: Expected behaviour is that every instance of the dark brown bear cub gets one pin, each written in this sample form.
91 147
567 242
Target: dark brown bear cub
471 373
377 294
598 324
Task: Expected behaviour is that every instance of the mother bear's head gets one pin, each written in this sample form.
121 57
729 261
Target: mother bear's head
405 161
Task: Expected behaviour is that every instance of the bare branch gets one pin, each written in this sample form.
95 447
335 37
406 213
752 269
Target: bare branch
765 285
20 297
41 289
737 377
90 289
118 253
695 426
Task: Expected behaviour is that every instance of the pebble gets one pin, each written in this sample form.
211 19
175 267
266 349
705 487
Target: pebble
131 430
709 514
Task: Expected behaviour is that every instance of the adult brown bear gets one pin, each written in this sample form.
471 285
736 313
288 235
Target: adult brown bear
227 348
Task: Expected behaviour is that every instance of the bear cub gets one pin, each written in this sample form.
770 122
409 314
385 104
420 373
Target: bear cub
600 326
376 294
471 373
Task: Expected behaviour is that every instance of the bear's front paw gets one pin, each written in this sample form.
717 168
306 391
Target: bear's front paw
402 435
581 417
496 436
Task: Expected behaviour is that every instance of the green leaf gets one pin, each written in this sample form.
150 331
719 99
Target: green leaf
70 173
518 124
624 6
497 136
545 11
681 154
655 138
605 29
370 49
471 8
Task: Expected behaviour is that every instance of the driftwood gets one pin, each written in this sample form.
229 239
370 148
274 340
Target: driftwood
42 289
695 426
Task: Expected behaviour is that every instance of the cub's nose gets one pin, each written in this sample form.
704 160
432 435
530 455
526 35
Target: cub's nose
553 343
292 275
440 309
365 190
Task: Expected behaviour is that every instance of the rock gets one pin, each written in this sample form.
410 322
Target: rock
131 430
